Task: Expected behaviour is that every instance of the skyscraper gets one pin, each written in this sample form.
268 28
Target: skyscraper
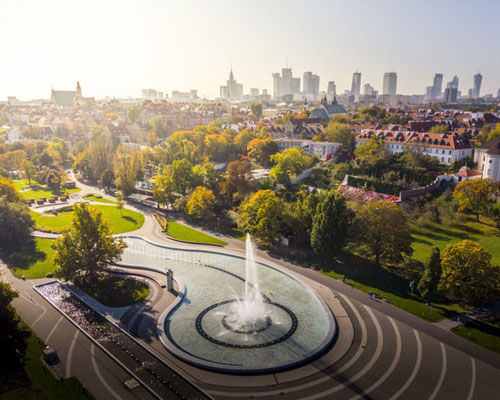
476 90
356 84
390 83
450 94
307 82
437 86
331 87
232 89
315 84
286 81
276 85
453 83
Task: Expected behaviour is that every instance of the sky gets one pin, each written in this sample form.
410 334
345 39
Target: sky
118 47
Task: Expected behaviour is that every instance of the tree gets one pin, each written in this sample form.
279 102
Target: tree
163 190
99 156
243 138
28 169
383 228
261 216
133 114
468 274
476 195
371 152
127 165
13 335
15 222
87 246
339 133
159 126
9 192
181 176
107 178
261 150
238 178
289 164
256 109
330 225
201 203
119 202
429 282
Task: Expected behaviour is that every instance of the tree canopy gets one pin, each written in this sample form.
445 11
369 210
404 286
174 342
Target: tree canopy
476 195
201 203
87 246
468 274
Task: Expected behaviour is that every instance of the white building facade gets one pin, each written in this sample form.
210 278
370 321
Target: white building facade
488 160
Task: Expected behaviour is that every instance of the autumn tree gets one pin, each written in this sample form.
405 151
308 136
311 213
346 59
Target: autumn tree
28 170
261 216
289 164
163 190
468 274
133 114
16 223
371 153
339 133
243 138
330 225
9 192
201 203
261 150
127 166
476 195
238 177
428 285
256 109
384 230
119 202
87 246
159 125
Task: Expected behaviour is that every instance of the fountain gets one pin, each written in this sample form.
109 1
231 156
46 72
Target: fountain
249 314
234 313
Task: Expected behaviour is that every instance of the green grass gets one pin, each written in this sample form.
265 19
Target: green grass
183 232
484 332
113 291
22 184
33 261
435 234
34 381
37 192
99 199
125 221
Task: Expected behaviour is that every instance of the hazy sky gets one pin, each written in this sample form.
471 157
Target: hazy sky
116 48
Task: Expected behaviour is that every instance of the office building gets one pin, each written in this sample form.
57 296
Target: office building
450 95
356 84
332 89
310 83
276 85
475 92
390 83
453 83
437 86
286 84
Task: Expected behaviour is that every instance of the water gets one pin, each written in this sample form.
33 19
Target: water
236 313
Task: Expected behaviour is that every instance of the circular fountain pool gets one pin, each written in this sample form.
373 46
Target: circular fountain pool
235 315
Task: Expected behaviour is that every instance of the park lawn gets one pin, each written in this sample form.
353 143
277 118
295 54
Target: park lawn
113 291
125 221
484 332
187 234
35 382
36 193
34 261
22 184
99 199
435 234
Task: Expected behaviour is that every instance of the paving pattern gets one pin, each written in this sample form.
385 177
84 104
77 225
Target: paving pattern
387 360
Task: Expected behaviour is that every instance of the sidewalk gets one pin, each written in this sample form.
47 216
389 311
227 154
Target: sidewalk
461 319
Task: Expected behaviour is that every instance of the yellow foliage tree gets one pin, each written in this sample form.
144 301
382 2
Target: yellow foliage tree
476 195
201 203
468 275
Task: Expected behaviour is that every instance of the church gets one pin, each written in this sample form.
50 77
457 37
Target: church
69 98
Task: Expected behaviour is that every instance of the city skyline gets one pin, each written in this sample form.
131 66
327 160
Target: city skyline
153 46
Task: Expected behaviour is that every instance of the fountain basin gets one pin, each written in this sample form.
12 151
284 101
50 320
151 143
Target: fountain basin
297 325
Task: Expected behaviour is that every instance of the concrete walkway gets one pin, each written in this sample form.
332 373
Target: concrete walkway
461 319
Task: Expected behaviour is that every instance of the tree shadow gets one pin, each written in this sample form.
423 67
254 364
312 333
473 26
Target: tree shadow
461 235
130 219
22 256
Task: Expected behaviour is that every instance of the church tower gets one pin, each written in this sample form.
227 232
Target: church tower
78 91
